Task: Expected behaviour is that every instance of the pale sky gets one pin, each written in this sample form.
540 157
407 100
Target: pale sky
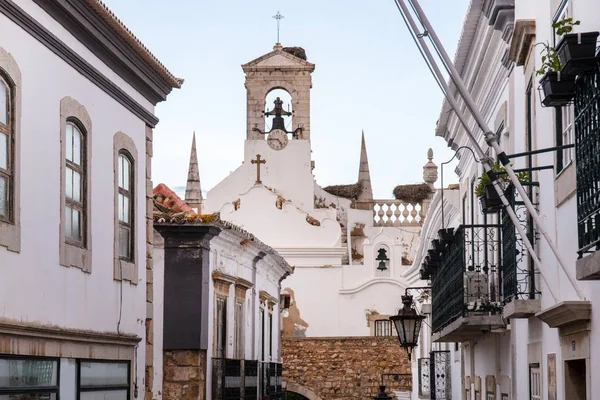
369 75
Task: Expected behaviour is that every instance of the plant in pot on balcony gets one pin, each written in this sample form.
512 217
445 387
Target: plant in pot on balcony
576 51
558 88
488 197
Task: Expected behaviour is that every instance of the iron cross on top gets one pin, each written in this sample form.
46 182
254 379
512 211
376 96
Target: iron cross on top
258 161
278 17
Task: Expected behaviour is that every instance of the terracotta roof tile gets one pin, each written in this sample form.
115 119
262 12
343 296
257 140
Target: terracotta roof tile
115 23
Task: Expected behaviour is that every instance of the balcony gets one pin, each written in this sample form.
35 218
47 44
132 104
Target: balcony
466 283
587 150
246 379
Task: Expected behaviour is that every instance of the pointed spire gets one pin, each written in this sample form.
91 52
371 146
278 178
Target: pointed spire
193 191
365 197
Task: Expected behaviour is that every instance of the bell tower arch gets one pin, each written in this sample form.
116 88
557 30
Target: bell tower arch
284 68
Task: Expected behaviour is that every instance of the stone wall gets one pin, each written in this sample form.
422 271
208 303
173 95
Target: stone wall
184 375
344 367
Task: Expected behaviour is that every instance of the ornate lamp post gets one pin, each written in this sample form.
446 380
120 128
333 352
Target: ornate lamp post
381 395
408 324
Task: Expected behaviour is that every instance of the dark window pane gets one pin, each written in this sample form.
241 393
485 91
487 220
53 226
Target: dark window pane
68 223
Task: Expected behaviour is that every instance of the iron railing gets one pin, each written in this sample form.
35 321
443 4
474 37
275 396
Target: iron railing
587 153
246 379
517 269
439 375
466 280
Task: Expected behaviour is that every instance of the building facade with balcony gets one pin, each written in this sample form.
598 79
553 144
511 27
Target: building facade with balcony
217 318
511 329
77 98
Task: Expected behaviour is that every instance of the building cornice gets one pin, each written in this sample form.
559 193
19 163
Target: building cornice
522 40
77 62
98 29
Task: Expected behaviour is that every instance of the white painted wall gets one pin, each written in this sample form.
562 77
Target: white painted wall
78 300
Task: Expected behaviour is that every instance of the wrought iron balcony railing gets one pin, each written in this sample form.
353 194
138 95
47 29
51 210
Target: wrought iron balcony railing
587 153
466 279
246 379
517 270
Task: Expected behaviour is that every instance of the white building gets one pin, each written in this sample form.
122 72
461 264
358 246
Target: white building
219 303
332 236
502 328
77 97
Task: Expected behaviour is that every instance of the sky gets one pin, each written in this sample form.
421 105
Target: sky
369 76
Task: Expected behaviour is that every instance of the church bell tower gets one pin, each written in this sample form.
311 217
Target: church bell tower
284 68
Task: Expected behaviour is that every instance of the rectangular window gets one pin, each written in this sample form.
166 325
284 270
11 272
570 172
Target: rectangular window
28 378
239 330
98 380
75 185
6 155
221 321
125 206
564 135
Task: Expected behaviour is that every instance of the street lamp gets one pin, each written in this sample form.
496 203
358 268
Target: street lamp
381 395
408 324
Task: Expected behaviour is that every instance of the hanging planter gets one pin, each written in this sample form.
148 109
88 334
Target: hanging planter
577 53
446 236
488 197
558 89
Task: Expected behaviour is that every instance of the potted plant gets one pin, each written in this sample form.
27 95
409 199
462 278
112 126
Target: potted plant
558 88
488 196
446 236
576 51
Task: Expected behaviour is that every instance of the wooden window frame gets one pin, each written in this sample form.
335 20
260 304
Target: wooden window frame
80 206
73 253
10 225
7 129
129 194
127 269
224 299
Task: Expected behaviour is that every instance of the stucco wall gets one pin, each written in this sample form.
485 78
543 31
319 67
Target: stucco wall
78 300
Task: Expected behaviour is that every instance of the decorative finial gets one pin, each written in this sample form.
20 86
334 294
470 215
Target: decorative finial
278 17
430 170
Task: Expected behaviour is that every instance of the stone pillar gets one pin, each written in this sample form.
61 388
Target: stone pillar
186 305
184 375
149 364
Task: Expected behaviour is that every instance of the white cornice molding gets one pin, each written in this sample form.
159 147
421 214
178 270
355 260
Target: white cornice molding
372 282
309 252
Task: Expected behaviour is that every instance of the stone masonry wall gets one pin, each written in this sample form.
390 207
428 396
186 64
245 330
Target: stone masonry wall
184 375
345 367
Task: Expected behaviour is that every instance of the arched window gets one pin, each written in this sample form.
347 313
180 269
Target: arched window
125 204
75 184
272 99
6 152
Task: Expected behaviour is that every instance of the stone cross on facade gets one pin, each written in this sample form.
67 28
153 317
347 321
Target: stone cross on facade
278 17
258 161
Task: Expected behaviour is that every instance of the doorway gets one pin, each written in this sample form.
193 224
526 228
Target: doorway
575 380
